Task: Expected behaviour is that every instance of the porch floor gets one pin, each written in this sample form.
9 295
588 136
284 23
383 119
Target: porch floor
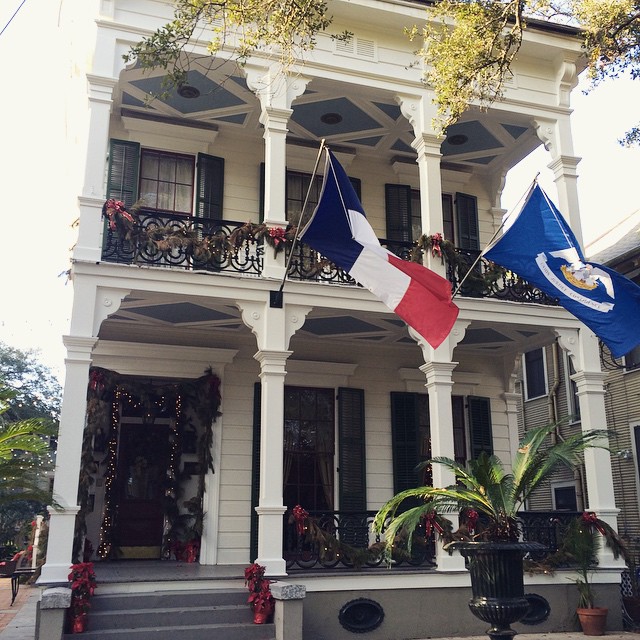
163 570
118 571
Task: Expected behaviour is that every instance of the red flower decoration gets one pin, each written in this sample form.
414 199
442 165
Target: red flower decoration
472 520
436 249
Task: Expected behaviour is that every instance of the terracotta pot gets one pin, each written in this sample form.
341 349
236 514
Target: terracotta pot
593 621
79 623
260 617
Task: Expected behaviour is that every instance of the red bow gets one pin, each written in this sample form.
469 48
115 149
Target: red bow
300 515
436 249
431 523
591 519
472 520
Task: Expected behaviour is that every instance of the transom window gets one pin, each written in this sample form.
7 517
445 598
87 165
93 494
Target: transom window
166 181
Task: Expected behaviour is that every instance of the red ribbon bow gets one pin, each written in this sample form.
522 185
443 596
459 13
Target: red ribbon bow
300 515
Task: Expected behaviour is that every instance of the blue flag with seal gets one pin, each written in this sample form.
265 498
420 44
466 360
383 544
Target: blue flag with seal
540 247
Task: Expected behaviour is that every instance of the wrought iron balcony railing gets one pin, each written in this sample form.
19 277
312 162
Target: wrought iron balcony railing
201 244
344 539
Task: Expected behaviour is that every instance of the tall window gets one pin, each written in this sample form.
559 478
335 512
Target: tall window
166 181
535 378
309 448
297 189
574 401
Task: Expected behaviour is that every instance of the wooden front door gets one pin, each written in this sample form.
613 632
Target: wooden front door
143 458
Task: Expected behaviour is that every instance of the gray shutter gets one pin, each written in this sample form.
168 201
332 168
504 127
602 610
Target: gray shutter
210 187
480 425
398 211
404 434
467 219
122 179
352 456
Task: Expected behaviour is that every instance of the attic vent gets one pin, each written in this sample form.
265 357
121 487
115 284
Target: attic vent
356 48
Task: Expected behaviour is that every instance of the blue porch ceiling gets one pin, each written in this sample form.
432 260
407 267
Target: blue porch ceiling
342 114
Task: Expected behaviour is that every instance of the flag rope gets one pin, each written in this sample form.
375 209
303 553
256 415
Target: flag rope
304 206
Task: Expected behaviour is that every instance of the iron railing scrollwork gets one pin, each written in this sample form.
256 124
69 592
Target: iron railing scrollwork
352 544
168 240
488 280
546 527
162 239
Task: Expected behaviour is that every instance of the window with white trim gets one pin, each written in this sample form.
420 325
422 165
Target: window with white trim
535 374
564 496
572 390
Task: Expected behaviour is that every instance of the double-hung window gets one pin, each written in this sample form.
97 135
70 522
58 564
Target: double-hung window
535 376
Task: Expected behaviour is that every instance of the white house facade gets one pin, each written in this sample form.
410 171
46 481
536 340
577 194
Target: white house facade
219 375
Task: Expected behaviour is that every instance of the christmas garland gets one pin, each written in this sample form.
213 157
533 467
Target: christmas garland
480 281
107 391
188 239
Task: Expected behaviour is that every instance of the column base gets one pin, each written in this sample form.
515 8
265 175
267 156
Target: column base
275 567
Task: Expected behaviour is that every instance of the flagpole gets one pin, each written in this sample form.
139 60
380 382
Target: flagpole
527 193
276 298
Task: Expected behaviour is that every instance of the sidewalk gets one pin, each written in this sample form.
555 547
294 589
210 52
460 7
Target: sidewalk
18 622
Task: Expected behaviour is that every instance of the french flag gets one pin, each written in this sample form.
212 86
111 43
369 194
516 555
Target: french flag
339 230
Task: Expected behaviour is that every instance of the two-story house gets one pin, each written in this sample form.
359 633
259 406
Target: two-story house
218 375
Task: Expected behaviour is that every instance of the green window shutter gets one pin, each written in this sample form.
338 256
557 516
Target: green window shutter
398 211
352 456
467 219
124 164
404 434
210 187
255 471
480 425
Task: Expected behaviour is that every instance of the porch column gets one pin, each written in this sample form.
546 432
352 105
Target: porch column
582 347
276 92
419 110
438 370
557 139
273 328
89 244
68 458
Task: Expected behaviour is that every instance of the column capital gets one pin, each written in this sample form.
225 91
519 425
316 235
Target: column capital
445 351
272 327
272 362
438 373
273 86
563 165
421 113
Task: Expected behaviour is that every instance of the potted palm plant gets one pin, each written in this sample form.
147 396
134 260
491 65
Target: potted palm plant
492 499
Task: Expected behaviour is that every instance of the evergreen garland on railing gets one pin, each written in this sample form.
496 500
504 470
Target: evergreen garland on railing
188 238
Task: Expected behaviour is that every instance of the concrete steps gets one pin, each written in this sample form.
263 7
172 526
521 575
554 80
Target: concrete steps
165 615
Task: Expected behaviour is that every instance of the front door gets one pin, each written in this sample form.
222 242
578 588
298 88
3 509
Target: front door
143 458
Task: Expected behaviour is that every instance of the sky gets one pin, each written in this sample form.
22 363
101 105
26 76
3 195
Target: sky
38 218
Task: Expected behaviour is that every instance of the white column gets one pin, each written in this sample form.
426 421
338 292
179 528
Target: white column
68 460
270 507
583 349
438 370
276 92
420 111
556 136
89 244
273 328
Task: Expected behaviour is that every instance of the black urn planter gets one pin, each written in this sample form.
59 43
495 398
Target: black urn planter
497 583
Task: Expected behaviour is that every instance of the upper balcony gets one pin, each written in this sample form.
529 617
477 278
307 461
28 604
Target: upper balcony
223 246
